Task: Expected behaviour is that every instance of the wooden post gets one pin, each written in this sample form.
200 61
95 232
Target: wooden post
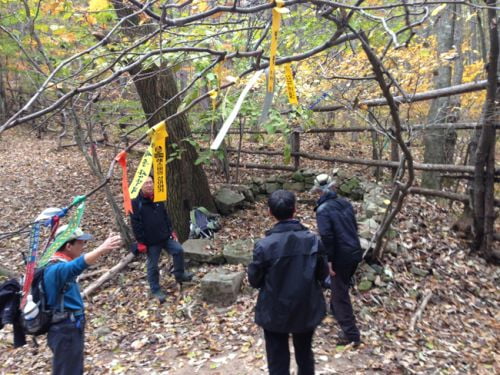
295 146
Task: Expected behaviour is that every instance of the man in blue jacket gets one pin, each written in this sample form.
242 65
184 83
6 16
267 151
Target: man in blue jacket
288 266
339 233
153 232
66 333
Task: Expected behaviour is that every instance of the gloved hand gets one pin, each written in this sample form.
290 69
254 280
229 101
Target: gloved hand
142 248
174 236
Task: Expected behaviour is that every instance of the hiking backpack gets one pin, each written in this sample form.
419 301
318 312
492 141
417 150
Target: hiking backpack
203 223
40 324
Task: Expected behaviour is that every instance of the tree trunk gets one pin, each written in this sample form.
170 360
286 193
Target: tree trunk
440 143
483 195
3 97
187 183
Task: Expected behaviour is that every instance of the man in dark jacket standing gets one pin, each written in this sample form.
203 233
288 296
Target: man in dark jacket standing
287 267
339 233
153 231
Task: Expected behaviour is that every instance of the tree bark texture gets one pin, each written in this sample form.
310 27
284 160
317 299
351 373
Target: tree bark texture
439 144
187 183
483 196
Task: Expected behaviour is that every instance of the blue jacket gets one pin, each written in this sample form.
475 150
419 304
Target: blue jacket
63 275
338 229
150 221
288 266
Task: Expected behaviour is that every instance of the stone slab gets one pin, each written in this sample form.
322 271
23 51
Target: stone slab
221 286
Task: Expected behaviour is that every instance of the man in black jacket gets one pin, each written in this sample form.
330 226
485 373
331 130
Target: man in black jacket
339 233
153 231
287 267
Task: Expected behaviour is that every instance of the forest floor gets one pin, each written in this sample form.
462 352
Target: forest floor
128 332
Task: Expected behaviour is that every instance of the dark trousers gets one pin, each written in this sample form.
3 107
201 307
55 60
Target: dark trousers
174 248
65 340
341 302
278 352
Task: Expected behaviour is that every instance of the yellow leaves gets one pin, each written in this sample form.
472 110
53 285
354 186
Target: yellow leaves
68 37
98 5
90 19
53 7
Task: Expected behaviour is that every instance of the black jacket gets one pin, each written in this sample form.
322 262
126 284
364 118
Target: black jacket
150 221
10 299
288 266
338 229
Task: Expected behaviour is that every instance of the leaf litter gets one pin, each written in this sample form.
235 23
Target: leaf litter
127 332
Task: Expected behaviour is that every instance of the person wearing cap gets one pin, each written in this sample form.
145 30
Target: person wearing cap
287 267
153 232
66 333
338 229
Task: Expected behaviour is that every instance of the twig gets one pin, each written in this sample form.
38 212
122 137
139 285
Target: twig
420 309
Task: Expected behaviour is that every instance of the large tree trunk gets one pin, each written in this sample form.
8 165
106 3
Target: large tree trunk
440 143
187 182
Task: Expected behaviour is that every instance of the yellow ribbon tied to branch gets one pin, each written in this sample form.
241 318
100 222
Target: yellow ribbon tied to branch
278 10
156 157
290 85
159 136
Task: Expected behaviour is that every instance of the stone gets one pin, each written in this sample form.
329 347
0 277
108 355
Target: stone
378 269
247 191
202 251
294 186
367 228
221 286
228 201
239 252
297 176
418 271
271 187
102 331
392 247
364 243
371 210
365 285
351 188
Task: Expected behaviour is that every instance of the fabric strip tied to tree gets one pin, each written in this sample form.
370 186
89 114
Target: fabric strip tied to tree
121 159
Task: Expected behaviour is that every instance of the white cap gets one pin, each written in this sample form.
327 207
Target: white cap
322 182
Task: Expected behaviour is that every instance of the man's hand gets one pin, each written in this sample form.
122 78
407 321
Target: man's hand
111 243
330 269
142 248
174 236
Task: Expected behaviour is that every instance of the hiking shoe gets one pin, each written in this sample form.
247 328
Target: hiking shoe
186 276
344 341
160 295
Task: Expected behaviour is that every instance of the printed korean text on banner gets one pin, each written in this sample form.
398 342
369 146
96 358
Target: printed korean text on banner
121 158
142 173
290 85
60 240
158 142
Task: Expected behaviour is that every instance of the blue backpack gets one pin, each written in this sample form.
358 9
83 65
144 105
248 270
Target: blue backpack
203 223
